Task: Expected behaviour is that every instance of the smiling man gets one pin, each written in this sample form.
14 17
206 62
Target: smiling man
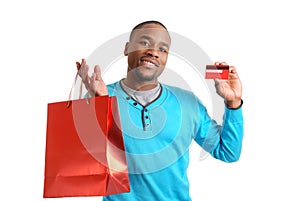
147 53
159 122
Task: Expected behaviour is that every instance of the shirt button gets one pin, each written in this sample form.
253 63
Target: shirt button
134 103
146 117
128 98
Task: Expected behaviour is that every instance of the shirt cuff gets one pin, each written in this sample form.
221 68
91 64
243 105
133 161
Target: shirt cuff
237 107
233 115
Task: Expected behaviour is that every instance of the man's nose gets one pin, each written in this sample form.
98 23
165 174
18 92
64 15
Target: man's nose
153 52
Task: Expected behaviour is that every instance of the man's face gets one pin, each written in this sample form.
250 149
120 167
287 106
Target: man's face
147 52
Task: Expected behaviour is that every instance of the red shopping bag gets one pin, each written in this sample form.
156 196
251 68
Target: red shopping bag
84 149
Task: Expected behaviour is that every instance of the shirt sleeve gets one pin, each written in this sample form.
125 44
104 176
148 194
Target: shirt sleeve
223 142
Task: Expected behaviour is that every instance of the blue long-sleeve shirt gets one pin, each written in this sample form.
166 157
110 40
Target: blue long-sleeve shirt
157 138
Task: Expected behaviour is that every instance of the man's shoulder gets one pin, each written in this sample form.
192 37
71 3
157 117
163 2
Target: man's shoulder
178 91
112 88
112 85
185 96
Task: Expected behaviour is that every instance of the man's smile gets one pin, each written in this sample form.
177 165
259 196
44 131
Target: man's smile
145 61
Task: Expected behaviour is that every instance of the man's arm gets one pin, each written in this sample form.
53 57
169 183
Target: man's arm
224 142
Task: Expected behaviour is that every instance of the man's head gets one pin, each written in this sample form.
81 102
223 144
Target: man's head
140 25
147 51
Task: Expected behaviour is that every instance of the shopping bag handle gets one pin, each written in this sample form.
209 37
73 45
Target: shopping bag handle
80 91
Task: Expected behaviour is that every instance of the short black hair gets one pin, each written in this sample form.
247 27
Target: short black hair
148 22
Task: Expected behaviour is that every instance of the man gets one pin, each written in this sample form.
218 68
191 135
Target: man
159 121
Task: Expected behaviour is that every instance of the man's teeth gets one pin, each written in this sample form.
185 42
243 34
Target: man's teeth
149 63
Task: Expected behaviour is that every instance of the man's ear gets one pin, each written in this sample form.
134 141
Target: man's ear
126 49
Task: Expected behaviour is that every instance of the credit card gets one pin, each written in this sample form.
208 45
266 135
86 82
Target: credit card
217 72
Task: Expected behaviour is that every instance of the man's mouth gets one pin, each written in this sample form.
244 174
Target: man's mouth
148 62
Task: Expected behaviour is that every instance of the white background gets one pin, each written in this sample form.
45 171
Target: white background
41 40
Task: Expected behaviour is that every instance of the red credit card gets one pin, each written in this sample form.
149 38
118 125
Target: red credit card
217 72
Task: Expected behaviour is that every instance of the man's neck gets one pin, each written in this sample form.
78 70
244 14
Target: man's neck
140 86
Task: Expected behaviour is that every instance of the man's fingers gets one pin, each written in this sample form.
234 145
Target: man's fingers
78 65
220 63
93 83
232 72
219 81
223 63
83 61
97 72
232 69
83 72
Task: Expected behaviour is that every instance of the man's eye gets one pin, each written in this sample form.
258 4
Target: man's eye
163 49
145 44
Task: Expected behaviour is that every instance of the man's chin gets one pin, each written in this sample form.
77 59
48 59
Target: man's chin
145 76
144 73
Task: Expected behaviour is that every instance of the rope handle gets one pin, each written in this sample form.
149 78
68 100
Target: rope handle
80 91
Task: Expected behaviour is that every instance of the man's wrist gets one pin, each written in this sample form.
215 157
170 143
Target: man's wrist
236 104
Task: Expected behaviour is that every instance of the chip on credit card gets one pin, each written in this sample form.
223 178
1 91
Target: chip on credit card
217 72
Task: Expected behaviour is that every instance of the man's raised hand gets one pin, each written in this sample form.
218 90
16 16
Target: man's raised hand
94 84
